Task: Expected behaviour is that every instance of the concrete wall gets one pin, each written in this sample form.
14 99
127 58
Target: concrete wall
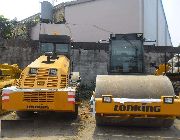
88 62
18 52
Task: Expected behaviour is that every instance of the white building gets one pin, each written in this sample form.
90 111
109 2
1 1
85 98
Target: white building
94 20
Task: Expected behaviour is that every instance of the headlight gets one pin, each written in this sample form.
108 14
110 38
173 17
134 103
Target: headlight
33 71
107 99
168 100
52 72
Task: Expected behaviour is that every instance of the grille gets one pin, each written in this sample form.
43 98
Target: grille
64 80
29 81
20 80
38 96
52 82
42 74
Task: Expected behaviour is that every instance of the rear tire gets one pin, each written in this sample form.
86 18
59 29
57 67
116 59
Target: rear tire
74 115
25 114
71 115
168 123
99 120
137 122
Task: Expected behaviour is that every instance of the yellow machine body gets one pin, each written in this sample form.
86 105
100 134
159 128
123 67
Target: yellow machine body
7 82
138 109
161 69
42 79
135 97
42 91
8 76
172 71
39 100
127 96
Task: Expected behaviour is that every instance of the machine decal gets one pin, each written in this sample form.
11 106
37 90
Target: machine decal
142 108
71 97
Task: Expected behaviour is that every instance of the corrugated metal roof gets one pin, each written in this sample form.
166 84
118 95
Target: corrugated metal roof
72 3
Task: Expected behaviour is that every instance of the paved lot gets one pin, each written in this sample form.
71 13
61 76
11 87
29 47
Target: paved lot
54 127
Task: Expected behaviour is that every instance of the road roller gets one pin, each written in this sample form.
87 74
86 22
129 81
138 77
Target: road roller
8 76
171 69
48 84
127 96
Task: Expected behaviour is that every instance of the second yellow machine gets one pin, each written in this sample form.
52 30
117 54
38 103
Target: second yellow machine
45 84
127 96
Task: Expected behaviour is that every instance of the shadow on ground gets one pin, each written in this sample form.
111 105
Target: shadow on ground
42 125
133 133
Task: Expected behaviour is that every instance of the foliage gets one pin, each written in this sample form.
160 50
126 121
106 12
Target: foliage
22 29
5 28
86 91
17 29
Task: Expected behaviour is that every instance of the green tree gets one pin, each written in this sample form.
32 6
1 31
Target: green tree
5 28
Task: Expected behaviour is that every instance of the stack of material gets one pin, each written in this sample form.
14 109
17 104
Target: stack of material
175 64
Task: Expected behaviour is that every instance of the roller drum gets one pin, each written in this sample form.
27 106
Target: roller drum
133 86
136 87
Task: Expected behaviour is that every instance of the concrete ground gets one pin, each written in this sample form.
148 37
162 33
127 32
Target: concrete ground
54 127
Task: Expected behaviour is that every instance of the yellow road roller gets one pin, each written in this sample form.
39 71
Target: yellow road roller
172 70
129 97
46 84
8 76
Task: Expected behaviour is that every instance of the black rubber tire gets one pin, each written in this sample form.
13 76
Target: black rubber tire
176 86
137 122
72 115
168 123
75 114
25 114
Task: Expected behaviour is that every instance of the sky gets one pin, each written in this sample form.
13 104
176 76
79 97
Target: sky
22 9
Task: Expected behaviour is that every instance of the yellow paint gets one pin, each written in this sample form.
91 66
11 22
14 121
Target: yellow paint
56 33
59 103
42 76
166 110
55 85
161 69
9 74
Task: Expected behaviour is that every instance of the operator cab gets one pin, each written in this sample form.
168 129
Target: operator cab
55 45
126 54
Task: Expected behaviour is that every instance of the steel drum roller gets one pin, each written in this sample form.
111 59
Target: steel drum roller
136 87
133 86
